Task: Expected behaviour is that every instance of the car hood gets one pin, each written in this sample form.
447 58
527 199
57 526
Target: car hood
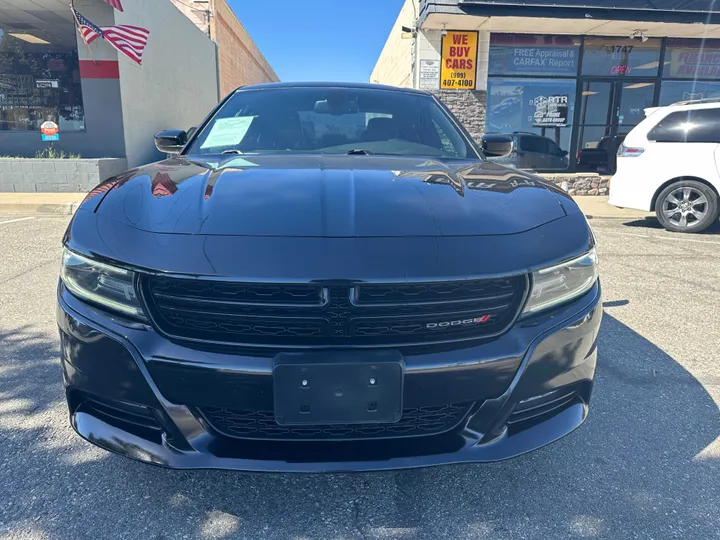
326 196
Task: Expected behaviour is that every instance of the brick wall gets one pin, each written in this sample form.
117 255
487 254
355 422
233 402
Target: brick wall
241 62
469 107
580 183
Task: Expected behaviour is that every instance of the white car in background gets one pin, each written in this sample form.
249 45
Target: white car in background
670 164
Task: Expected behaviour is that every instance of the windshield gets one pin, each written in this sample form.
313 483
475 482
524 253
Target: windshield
332 121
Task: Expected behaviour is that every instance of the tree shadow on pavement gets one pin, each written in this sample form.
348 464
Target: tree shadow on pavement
642 466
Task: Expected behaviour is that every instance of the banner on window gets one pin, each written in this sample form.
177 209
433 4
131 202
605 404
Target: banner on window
532 60
692 63
551 111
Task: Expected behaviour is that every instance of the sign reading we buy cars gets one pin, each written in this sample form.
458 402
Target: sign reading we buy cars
459 60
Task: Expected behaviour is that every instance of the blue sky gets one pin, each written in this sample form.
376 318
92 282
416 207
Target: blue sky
319 40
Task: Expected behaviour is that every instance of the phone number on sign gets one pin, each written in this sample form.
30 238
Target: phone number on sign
466 83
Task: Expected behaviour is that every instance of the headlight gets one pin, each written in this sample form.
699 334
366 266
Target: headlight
558 284
107 286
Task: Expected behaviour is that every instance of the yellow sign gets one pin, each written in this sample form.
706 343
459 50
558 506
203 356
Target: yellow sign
459 60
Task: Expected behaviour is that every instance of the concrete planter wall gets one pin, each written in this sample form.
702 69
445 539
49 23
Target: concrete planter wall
581 183
56 175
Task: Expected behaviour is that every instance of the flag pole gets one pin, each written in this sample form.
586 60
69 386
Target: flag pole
77 27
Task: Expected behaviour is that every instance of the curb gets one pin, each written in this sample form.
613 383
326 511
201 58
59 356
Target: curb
64 209
626 218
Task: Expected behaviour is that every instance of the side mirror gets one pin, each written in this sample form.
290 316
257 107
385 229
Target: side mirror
497 145
191 132
170 141
564 153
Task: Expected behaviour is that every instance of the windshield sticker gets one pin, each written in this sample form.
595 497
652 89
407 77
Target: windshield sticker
227 131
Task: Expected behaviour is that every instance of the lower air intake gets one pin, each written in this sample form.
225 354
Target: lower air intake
261 425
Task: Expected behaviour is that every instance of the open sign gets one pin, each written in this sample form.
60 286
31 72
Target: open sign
620 70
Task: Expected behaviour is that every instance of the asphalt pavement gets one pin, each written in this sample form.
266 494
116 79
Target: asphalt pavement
646 464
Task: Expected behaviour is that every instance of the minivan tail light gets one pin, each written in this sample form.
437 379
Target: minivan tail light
629 151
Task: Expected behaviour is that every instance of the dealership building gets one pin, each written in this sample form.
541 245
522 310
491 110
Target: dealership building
106 107
563 77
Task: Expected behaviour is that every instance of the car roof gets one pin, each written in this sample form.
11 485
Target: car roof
320 84
692 105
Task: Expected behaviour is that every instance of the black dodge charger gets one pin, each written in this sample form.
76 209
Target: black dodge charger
327 278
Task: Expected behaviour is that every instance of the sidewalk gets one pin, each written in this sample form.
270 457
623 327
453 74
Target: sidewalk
39 203
67 203
597 207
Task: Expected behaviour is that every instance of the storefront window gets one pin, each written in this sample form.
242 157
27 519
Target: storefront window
692 59
674 91
39 78
539 113
525 54
535 83
621 57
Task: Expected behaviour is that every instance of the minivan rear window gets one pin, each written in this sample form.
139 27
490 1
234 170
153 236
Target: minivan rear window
696 126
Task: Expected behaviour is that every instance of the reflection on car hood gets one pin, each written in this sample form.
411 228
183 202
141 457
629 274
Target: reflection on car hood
326 196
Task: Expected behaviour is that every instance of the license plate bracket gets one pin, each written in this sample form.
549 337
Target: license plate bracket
346 390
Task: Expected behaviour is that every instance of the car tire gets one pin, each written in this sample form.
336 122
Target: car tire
687 206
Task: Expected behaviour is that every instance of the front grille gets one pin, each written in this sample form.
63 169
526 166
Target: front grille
307 315
261 425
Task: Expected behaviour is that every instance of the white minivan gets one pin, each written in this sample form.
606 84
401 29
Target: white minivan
670 164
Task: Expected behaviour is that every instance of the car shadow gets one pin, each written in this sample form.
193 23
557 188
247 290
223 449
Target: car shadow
642 466
653 223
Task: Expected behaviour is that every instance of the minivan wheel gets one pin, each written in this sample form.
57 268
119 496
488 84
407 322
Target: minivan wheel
687 206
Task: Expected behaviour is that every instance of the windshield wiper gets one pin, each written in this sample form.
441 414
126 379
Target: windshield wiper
359 152
233 151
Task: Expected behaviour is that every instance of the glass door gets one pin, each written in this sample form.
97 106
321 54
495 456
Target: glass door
635 97
609 110
596 112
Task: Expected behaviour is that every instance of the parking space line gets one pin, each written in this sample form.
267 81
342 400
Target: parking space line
16 220
650 237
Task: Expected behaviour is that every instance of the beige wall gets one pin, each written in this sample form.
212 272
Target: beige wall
395 64
241 62
162 93
197 12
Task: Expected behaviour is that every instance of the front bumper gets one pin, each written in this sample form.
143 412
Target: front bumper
133 392
632 187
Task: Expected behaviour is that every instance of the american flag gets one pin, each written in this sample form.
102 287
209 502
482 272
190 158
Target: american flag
163 185
88 30
129 40
116 4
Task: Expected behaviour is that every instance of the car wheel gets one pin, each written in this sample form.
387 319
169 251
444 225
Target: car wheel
687 206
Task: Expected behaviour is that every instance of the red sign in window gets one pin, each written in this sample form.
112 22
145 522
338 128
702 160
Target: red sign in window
620 70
